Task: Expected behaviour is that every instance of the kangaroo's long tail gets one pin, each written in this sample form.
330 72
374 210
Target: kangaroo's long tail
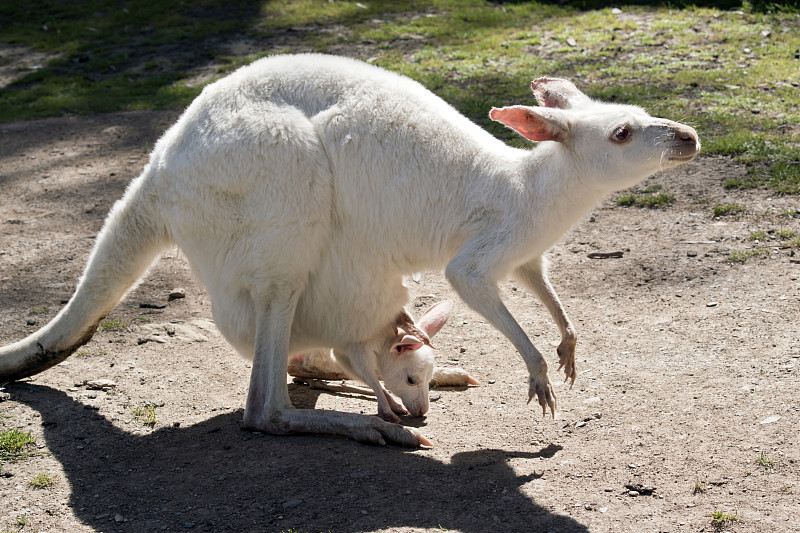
133 235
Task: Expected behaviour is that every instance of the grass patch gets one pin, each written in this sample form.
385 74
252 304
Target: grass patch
741 256
651 197
113 324
146 414
765 461
14 444
720 519
700 486
726 68
725 210
42 480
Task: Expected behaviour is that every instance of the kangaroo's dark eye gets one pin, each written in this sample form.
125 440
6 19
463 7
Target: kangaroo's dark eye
621 134
411 381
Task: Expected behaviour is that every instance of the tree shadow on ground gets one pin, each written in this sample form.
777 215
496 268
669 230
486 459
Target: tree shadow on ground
213 476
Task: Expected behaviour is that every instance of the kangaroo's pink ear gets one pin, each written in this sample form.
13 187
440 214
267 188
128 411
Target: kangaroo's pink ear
557 92
534 123
406 344
434 318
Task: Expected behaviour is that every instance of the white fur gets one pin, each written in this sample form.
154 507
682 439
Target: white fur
288 186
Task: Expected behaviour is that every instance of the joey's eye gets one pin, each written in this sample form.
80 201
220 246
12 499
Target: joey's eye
411 381
621 134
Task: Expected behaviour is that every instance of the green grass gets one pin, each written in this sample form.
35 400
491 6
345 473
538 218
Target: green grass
765 461
741 256
700 486
725 210
146 414
112 324
710 66
651 197
720 519
15 444
42 480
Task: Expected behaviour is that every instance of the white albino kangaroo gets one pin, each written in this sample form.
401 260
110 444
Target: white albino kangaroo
407 366
288 183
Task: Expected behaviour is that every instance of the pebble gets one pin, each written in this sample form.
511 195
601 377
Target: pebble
292 503
119 518
712 304
633 493
177 293
188 525
100 384
31 321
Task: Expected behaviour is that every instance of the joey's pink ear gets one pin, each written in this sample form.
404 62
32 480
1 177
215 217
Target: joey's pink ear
557 92
434 318
406 344
534 123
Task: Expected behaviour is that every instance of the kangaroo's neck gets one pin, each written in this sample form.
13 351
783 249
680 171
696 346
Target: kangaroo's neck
552 192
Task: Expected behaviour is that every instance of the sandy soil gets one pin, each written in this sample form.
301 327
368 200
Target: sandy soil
687 390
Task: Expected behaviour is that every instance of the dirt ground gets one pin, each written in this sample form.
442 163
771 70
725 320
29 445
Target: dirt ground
688 389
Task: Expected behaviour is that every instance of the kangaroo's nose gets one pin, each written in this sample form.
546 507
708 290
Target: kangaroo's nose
688 136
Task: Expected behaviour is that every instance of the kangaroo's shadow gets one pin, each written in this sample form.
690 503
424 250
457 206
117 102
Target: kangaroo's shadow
213 476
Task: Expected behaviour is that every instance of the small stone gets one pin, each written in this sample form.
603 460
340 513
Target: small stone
462 349
633 493
616 11
100 384
608 489
435 397
119 518
712 304
602 509
177 293
188 525
31 321
770 419
364 512
571 41
691 253
492 381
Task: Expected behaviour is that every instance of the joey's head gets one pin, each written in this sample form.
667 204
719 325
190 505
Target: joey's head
408 368
612 146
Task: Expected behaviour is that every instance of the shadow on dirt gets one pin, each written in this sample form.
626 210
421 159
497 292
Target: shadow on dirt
215 477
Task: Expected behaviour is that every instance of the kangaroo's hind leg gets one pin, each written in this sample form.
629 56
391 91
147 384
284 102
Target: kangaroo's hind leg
268 394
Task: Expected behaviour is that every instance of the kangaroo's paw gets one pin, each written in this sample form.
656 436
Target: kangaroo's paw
566 360
541 387
395 409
